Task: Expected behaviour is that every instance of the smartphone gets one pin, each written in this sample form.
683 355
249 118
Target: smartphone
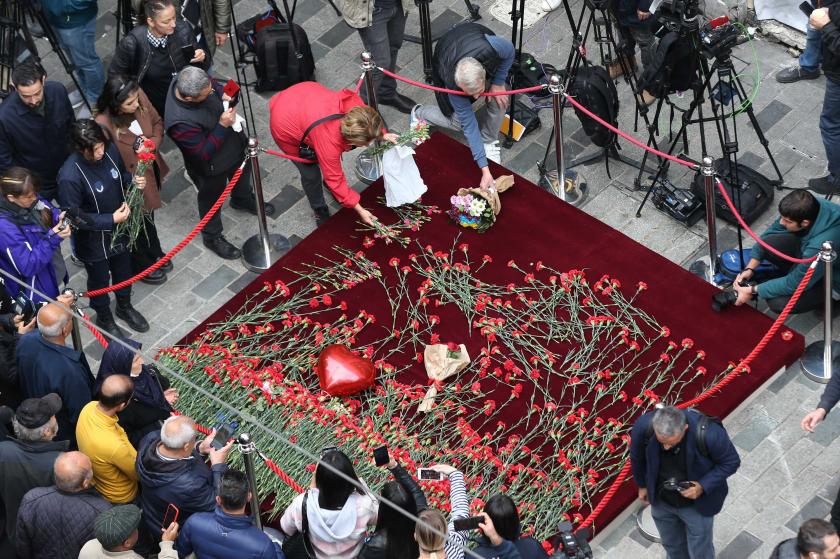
223 435
188 51
232 90
26 308
429 474
471 523
806 8
170 516
380 456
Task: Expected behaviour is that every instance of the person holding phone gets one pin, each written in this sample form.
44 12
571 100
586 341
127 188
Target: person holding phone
500 516
155 51
31 233
128 117
94 180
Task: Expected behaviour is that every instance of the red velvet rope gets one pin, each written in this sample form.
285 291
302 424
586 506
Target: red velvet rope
458 91
753 235
168 256
282 475
742 366
359 85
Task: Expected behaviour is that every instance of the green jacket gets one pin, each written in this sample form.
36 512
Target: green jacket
359 13
215 18
825 228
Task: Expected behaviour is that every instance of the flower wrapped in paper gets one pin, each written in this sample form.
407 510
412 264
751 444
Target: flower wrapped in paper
477 208
442 361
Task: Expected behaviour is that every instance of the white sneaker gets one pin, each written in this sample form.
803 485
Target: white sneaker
412 118
550 5
493 152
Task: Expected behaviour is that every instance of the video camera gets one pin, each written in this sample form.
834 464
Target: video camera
570 544
680 203
674 14
719 37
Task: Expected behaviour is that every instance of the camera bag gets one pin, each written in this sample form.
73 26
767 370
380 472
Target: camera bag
673 67
753 193
730 264
278 65
248 29
593 88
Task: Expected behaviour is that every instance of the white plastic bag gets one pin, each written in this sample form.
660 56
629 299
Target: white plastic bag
403 183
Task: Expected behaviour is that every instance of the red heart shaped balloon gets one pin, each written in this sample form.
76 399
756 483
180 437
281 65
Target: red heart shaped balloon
342 373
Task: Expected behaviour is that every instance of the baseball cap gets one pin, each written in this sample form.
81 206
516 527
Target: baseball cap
113 526
33 412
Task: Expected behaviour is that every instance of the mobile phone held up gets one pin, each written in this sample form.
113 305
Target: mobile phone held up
223 435
470 523
380 456
429 474
170 516
188 51
806 8
232 91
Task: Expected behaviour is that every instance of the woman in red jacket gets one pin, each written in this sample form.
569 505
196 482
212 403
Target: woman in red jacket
337 121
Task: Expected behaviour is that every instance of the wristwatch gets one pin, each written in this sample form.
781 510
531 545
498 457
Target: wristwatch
754 290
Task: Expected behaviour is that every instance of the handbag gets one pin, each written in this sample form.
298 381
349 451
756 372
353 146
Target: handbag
305 150
298 545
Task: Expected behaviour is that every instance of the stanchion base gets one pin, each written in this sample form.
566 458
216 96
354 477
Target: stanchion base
646 525
368 167
812 361
254 256
576 188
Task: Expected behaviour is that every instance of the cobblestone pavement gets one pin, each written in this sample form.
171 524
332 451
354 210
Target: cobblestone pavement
786 476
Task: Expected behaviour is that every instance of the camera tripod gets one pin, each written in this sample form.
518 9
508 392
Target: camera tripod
15 32
427 38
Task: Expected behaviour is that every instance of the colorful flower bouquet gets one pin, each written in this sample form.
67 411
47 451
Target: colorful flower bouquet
414 136
136 222
477 208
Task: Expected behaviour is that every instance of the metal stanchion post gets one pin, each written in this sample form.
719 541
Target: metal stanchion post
261 250
711 221
76 334
369 167
820 360
247 448
575 195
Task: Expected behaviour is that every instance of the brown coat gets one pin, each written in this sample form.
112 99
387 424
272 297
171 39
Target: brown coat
152 126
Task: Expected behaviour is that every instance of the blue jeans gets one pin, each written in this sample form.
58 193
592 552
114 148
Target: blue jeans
830 126
685 533
79 43
811 57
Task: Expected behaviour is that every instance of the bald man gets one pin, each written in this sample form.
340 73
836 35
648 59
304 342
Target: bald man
101 437
46 364
55 522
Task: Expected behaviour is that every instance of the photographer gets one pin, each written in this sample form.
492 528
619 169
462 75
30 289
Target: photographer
805 223
31 232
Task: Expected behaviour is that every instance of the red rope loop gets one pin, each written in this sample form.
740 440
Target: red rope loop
742 366
168 256
458 91
286 478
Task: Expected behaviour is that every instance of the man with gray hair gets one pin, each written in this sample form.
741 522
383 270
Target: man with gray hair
55 522
213 145
26 461
464 58
46 365
172 469
680 461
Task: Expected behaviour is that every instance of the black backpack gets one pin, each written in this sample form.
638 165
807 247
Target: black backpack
673 68
278 66
754 192
593 88
699 436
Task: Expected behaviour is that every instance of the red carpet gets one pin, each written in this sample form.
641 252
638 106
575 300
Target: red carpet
535 226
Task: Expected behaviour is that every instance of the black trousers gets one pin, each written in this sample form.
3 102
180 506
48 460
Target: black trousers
312 182
209 190
100 274
147 251
812 298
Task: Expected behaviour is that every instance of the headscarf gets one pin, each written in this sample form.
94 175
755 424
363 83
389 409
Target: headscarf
117 361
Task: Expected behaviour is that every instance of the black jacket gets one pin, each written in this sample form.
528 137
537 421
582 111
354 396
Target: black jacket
831 43
133 53
53 524
465 40
376 544
24 466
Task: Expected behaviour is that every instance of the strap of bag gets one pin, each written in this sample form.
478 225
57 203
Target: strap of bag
317 122
307 545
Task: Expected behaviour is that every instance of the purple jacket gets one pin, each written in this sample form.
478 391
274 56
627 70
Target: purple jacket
26 252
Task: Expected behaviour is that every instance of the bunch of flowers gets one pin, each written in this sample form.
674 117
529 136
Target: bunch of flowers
412 137
135 225
472 212
410 217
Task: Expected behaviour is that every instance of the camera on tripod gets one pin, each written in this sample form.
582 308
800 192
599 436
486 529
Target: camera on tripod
570 544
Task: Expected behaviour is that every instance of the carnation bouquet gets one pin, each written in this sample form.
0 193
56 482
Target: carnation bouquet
412 137
136 222
477 208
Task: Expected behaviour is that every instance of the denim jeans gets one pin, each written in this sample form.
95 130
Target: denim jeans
79 44
811 57
830 126
685 533
383 40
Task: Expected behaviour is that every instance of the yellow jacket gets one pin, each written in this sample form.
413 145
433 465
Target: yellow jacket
102 439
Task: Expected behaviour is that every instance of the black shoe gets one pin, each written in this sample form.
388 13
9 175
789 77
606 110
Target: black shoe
155 278
133 317
251 207
223 248
400 102
168 267
321 216
796 73
824 185
105 321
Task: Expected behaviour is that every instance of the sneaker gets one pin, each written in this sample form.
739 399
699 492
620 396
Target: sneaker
251 206
493 152
223 248
646 98
412 119
826 185
132 316
796 73
105 321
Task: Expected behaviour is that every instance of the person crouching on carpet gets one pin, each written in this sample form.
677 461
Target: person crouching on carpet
308 120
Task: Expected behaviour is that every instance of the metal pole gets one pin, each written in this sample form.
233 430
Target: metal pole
819 362
369 167
556 89
247 448
75 334
261 250
711 221
368 65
